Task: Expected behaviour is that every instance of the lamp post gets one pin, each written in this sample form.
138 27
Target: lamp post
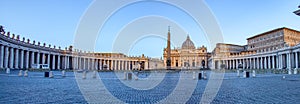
297 12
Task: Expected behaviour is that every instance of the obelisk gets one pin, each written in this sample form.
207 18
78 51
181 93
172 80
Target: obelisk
168 62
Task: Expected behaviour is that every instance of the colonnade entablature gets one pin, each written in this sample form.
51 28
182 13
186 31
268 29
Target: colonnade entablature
22 54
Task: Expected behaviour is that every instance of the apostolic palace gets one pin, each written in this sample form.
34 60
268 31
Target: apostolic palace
274 49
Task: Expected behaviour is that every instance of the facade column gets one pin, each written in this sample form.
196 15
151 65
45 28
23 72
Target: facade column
84 63
296 60
100 64
32 58
27 60
2 56
233 64
119 64
261 63
269 62
43 58
48 59
58 62
265 62
38 58
68 62
280 61
254 63
250 63
16 59
53 61
11 63
273 62
6 57
22 59
289 63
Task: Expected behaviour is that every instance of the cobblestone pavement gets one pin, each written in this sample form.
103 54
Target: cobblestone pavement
264 88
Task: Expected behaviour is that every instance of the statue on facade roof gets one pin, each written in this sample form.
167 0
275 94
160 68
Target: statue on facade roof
2 29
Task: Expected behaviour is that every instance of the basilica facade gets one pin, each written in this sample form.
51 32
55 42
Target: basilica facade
187 56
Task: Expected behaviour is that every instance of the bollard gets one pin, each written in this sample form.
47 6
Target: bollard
46 74
253 73
63 73
204 75
136 77
283 77
194 75
84 75
51 75
244 74
247 74
7 70
129 76
94 74
200 76
26 73
238 73
125 76
295 71
290 71
20 73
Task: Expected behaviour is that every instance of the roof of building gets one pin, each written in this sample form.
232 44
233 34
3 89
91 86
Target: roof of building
274 30
188 44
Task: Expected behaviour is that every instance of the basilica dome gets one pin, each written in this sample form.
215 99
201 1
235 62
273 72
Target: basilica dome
188 44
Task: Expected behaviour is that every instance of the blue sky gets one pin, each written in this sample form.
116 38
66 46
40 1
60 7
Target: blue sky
55 22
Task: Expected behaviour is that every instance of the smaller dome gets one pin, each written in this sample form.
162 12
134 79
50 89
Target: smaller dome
188 44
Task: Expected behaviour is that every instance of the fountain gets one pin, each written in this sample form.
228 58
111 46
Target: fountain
194 75
253 73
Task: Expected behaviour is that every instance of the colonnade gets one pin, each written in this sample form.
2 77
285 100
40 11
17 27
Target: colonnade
282 59
17 54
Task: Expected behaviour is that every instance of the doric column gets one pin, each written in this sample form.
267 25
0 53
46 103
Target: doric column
273 62
67 62
119 64
265 62
2 56
27 60
53 61
43 58
38 58
100 64
22 59
289 66
254 63
296 60
269 62
11 63
261 63
17 59
6 57
234 62
88 63
96 64
250 63
279 61
84 64
32 59
48 59
58 62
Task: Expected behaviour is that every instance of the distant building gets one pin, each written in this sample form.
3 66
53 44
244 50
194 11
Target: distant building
188 56
273 40
275 49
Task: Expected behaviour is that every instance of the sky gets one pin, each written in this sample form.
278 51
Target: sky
141 28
